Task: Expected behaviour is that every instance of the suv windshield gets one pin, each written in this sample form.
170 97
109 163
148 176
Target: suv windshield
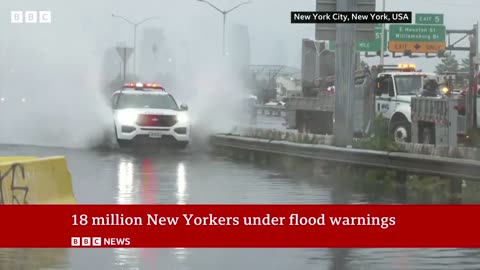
147 101
408 85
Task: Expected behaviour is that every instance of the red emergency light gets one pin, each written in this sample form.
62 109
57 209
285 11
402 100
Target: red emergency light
129 85
152 86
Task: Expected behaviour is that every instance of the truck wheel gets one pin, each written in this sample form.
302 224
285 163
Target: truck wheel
401 131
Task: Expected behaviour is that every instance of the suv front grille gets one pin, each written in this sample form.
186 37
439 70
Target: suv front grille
152 120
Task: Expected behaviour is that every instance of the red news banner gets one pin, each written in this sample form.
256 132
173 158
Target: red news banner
208 226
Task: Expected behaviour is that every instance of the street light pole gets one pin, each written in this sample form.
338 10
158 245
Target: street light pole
134 48
223 35
134 36
224 13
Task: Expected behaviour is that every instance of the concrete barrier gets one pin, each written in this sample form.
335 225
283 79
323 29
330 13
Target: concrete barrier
31 180
405 162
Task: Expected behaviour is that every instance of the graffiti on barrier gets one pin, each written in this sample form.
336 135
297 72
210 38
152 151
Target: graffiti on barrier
11 191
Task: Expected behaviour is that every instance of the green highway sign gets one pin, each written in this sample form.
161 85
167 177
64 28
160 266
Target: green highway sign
368 46
417 33
423 18
417 38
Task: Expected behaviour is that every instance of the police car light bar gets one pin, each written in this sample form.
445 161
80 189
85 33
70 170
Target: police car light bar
129 85
140 86
407 66
152 86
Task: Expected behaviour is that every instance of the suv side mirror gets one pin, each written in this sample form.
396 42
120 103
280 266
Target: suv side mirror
184 107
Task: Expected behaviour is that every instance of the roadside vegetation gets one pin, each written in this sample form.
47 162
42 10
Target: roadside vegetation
276 135
380 138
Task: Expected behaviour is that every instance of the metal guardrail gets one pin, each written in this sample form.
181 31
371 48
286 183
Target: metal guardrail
271 110
324 102
411 163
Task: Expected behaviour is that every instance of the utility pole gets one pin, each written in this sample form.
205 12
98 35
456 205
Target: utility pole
382 44
344 74
471 98
135 36
475 71
224 13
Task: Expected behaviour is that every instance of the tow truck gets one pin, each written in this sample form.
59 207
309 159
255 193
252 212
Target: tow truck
382 90
395 88
392 91
147 113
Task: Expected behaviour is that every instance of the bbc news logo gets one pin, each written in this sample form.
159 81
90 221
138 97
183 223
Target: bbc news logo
31 17
98 242
86 241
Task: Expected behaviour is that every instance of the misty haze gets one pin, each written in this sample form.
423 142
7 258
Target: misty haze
57 79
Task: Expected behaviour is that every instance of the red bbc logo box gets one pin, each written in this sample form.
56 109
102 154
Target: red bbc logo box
86 241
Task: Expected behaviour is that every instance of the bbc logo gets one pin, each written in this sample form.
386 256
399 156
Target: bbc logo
31 17
86 241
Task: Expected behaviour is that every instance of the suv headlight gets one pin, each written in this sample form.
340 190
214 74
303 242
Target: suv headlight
182 118
127 117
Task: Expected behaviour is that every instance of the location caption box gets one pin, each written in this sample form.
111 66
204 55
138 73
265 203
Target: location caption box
354 17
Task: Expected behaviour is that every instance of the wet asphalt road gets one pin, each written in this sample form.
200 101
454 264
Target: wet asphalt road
195 177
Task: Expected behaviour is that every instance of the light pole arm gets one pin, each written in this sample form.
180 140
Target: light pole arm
210 4
237 6
147 19
123 18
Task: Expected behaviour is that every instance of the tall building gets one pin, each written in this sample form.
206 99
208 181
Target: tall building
112 69
279 53
239 48
155 61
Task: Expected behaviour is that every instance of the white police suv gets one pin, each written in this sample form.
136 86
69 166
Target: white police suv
147 113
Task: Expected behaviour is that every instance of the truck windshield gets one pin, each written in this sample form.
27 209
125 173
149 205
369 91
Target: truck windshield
147 101
408 85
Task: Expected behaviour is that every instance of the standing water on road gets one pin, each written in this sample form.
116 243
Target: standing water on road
130 177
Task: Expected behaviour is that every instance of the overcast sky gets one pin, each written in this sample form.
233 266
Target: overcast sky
59 67
199 25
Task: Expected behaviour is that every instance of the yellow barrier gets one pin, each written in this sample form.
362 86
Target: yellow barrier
15 159
30 180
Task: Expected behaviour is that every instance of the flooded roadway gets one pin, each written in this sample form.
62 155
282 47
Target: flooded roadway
194 177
